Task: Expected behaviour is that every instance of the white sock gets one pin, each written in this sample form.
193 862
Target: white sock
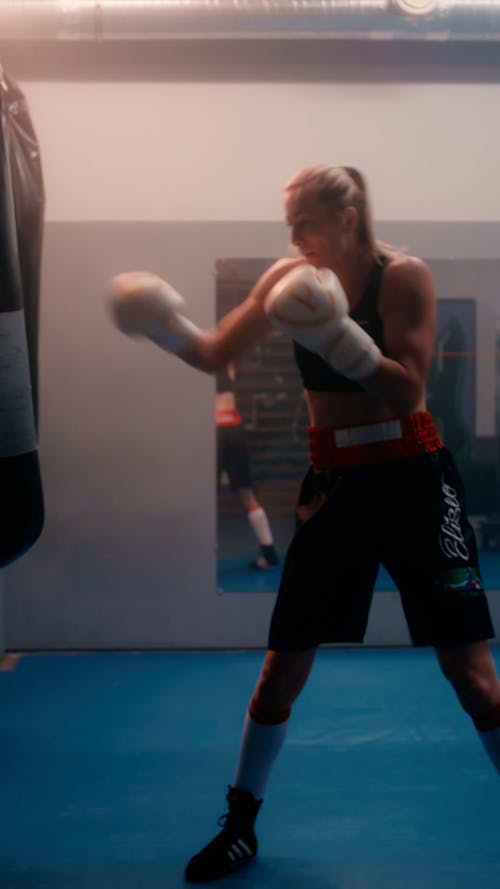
260 745
260 525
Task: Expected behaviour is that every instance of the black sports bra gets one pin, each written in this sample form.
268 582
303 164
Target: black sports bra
316 374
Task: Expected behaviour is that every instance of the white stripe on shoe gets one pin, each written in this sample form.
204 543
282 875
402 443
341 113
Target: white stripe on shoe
239 849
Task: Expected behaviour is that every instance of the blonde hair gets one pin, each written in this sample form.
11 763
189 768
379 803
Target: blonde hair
341 187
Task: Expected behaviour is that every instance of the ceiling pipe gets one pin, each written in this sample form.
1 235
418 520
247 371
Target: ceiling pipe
113 20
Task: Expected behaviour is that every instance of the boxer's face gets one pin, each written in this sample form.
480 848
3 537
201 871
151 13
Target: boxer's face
315 229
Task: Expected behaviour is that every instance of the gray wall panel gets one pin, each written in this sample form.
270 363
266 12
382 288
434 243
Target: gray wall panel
127 558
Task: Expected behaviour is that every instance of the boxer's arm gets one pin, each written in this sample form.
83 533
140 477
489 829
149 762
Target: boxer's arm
407 307
143 304
310 306
246 324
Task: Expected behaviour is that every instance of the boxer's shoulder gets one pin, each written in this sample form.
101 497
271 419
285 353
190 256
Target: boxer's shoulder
405 278
401 268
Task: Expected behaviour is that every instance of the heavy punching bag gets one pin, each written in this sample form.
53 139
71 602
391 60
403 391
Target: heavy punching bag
21 229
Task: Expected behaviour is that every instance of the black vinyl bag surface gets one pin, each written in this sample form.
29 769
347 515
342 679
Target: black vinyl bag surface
22 203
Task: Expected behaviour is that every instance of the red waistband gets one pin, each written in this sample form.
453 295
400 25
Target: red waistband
227 416
407 436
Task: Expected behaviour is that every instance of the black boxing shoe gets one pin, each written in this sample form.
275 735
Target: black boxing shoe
268 559
236 844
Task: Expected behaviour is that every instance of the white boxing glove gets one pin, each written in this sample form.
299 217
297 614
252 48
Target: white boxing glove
310 306
143 304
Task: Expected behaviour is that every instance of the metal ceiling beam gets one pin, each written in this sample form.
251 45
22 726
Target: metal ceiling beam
117 20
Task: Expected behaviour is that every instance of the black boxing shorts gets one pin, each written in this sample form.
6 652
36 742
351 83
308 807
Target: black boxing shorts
385 494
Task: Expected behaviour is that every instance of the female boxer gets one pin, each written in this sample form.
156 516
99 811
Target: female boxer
381 486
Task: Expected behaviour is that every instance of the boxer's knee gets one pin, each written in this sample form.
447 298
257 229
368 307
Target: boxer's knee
471 671
282 678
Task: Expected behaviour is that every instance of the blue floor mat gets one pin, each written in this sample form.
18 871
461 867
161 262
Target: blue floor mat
114 767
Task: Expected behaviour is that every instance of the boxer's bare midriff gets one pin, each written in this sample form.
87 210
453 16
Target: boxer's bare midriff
352 409
225 401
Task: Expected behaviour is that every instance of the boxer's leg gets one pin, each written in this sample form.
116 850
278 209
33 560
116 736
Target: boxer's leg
471 671
259 523
241 480
282 678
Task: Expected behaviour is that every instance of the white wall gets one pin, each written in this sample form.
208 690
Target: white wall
171 176
222 151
